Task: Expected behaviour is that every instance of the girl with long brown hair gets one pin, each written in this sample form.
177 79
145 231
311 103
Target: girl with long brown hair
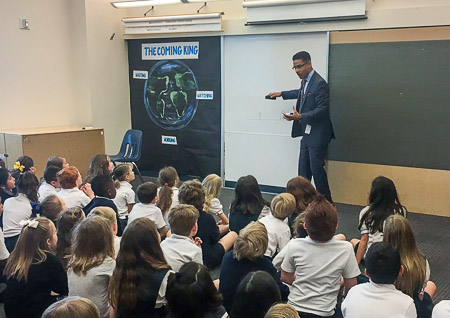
168 192
415 279
138 285
92 262
100 164
34 275
66 223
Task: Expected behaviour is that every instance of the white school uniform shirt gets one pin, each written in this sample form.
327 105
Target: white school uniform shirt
4 254
442 309
124 196
179 250
74 198
93 285
15 210
116 242
375 237
371 300
279 234
318 268
147 210
45 190
216 207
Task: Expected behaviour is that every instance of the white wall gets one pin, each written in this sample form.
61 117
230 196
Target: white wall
64 70
37 83
108 72
380 14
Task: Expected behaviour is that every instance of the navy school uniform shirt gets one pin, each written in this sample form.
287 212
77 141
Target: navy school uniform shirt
209 232
102 201
234 271
30 298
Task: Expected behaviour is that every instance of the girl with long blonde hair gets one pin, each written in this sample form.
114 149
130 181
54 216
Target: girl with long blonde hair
213 186
415 279
34 275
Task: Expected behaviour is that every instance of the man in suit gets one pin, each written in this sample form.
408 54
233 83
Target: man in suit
311 119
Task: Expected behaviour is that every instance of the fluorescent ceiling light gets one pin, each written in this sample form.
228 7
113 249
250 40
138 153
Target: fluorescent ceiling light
142 3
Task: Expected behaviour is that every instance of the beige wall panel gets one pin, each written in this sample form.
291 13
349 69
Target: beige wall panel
420 190
391 35
77 147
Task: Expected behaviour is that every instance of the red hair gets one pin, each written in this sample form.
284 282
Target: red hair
67 177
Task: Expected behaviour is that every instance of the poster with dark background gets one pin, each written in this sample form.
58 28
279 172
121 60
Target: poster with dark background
175 95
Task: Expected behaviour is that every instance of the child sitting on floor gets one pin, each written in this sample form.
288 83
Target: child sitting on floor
213 185
52 207
125 196
181 248
104 190
213 247
109 214
379 297
168 191
70 180
50 184
282 206
17 209
314 265
146 208
92 263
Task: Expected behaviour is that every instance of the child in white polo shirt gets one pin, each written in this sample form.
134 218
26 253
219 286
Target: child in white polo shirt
125 196
282 206
181 248
379 298
315 265
147 195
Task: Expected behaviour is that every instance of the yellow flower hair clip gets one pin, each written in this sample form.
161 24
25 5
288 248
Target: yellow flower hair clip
18 166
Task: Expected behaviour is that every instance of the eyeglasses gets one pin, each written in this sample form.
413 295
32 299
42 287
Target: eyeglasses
299 66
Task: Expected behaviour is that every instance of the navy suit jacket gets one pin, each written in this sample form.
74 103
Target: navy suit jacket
315 112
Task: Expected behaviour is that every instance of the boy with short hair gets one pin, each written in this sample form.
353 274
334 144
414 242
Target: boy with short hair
104 189
282 206
379 298
146 208
181 248
314 265
50 185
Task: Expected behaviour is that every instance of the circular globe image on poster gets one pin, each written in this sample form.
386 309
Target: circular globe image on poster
170 94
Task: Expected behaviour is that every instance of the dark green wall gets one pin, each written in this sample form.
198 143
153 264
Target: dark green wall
390 103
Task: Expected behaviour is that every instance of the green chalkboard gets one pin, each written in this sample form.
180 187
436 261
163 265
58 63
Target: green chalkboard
390 103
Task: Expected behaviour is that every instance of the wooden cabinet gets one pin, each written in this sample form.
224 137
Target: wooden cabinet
76 144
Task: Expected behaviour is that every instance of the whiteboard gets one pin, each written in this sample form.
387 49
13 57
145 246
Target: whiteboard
257 140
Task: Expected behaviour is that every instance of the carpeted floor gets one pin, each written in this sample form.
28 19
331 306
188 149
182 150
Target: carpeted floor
432 235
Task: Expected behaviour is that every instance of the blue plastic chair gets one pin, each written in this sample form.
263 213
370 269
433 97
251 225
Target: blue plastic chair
130 150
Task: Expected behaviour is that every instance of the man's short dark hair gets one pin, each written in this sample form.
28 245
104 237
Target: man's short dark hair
50 173
101 184
146 192
382 263
303 55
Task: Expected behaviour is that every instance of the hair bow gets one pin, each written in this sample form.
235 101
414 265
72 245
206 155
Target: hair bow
30 223
18 166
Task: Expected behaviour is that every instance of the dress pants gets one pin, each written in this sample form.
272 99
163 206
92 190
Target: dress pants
311 164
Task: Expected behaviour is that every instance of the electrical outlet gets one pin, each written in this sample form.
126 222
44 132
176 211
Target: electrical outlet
24 24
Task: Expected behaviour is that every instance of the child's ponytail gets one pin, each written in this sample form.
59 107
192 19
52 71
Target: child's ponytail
165 198
120 173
